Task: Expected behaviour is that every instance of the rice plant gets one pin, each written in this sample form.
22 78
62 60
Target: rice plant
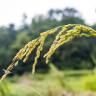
63 33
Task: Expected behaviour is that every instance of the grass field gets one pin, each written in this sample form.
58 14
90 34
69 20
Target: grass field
54 83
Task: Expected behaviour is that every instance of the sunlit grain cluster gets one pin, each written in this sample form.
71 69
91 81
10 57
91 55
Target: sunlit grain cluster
64 34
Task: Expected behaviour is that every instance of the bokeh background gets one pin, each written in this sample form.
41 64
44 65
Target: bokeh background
72 65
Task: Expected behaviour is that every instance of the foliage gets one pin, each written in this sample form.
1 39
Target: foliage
90 82
76 54
50 84
64 34
4 89
13 38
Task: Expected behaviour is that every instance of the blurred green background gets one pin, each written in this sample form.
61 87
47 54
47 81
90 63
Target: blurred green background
73 63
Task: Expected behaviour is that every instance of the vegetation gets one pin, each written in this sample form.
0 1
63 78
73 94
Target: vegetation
72 65
72 55
66 33
56 83
89 82
4 89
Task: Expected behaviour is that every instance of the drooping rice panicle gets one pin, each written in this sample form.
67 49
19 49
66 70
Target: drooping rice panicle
64 35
